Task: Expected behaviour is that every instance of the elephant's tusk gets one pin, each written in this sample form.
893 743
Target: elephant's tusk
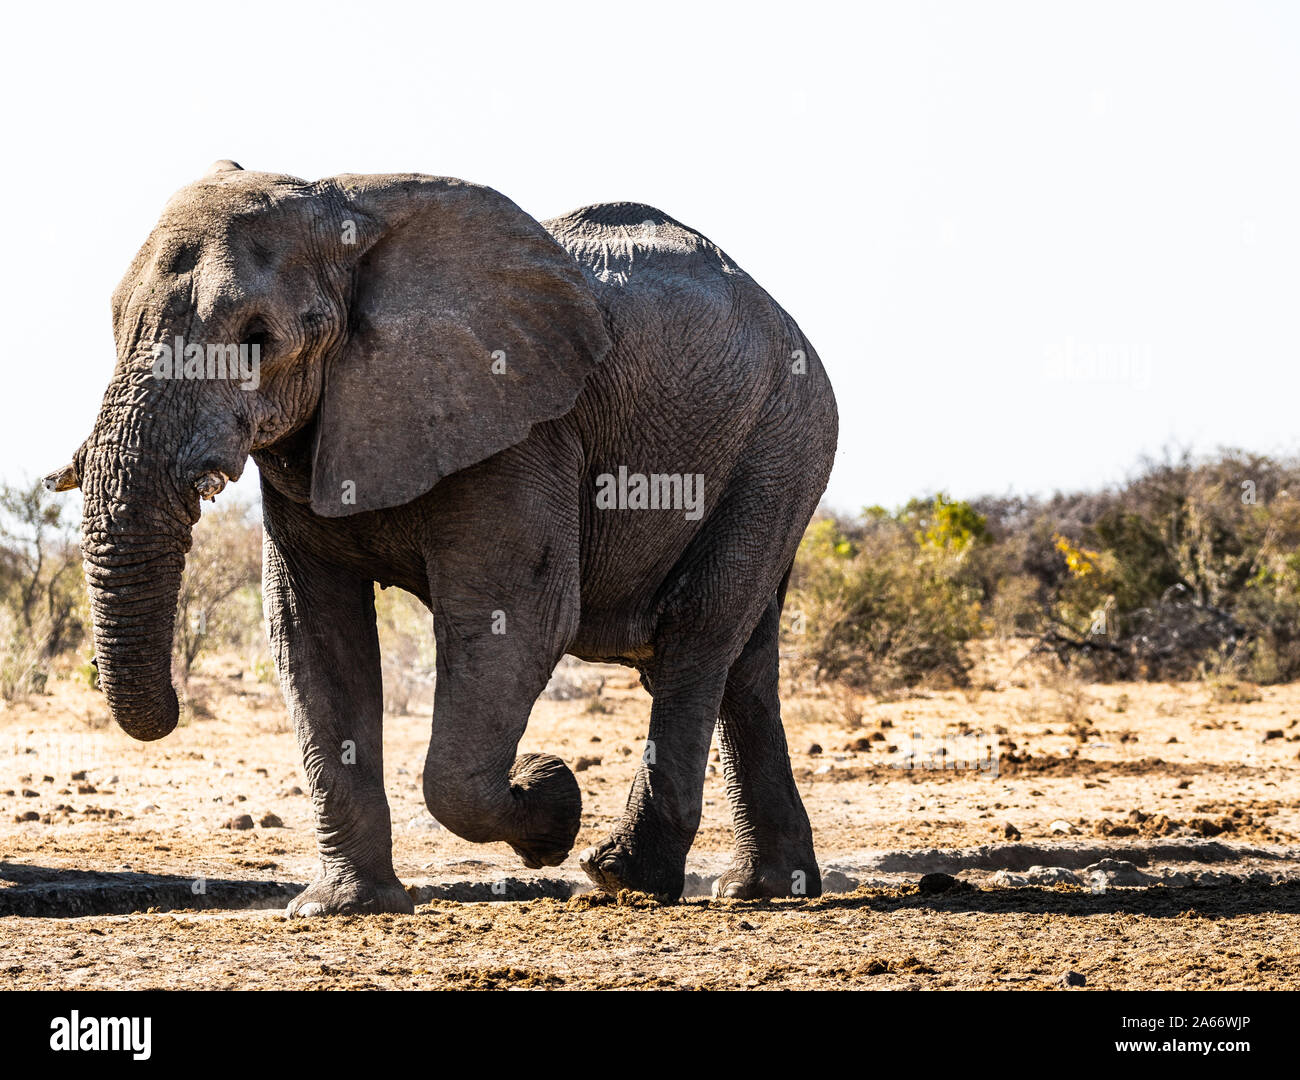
64 479
210 484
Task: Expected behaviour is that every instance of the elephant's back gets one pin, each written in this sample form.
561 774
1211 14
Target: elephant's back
617 243
707 379
697 344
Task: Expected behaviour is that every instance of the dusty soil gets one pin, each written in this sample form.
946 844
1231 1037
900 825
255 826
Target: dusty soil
1143 836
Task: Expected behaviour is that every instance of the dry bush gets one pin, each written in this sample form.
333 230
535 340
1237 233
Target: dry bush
884 607
1196 561
23 657
42 597
219 607
407 651
1227 690
573 680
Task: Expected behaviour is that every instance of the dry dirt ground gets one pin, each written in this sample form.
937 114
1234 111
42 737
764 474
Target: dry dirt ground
1141 836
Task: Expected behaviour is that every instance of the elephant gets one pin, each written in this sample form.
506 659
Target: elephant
594 435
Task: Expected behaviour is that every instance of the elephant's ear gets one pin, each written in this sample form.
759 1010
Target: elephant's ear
468 325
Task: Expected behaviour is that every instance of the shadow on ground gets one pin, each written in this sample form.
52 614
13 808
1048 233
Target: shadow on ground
46 892
1153 901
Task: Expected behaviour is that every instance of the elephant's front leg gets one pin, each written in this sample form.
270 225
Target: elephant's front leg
326 647
493 662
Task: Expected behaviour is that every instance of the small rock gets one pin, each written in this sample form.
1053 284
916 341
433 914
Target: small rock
585 762
1119 872
822 769
80 774
1207 827
295 790
30 815
836 881
1106 827
1051 875
1275 733
1208 879
1071 978
271 821
1060 825
1006 879
243 821
145 808
813 749
1011 832
28 793
86 789
934 884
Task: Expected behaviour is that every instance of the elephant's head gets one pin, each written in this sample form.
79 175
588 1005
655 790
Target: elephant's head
421 325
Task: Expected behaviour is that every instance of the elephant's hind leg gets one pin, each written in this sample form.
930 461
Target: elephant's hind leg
774 845
713 601
646 851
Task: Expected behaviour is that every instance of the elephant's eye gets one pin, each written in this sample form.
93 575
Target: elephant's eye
257 334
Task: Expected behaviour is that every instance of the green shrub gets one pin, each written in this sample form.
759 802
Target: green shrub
885 604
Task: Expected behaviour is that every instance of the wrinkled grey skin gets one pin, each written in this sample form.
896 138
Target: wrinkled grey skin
394 447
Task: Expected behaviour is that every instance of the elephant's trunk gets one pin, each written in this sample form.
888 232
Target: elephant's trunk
135 534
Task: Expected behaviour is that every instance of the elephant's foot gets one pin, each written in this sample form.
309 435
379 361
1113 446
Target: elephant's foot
336 895
748 879
619 863
549 812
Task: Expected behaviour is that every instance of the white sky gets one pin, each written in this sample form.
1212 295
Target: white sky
946 196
